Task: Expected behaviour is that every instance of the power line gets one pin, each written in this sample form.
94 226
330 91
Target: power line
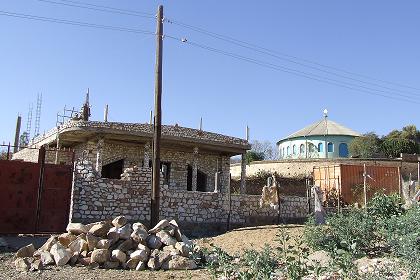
251 60
100 8
296 72
286 57
75 23
292 59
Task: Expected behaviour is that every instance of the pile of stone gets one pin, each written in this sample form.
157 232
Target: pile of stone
112 245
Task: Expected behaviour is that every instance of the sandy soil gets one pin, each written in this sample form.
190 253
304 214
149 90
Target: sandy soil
236 241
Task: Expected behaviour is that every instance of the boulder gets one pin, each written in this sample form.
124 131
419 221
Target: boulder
60 254
139 235
118 255
184 249
111 265
161 225
100 229
92 241
76 228
50 242
172 250
78 245
138 226
177 232
66 238
119 221
141 255
166 238
74 258
131 264
113 234
179 263
153 242
26 251
141 266
125 231
100 256
127 245
47 258
22 264
84 261
319 258
187 242
37 265
103 244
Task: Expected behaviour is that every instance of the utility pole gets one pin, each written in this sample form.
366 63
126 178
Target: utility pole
17 133
154 215
364 184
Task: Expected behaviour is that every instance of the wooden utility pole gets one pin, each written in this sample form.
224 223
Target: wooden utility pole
154 215
17 133
364 184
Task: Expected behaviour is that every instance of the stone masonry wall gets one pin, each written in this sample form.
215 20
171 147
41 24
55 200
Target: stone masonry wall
303 168
95 198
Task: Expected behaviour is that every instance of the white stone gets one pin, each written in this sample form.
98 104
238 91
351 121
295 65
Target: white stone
60 254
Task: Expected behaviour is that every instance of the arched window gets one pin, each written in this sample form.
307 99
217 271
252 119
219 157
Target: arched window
330 147
311 147
284 155
302 149
321 147
288 150
343 150
294 149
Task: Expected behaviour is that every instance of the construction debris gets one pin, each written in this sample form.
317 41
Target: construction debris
112 245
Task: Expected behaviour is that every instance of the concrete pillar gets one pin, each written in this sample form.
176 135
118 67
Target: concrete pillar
147 150
195 169
99 154
243 173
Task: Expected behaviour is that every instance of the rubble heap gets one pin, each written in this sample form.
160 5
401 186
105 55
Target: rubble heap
111 245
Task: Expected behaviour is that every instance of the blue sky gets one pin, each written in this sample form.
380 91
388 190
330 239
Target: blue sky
374 38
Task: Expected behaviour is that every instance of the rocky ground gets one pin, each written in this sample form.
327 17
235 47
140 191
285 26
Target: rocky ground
233 242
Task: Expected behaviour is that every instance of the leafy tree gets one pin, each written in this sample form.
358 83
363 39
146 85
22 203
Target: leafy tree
254 156
393 147
366 146
405 141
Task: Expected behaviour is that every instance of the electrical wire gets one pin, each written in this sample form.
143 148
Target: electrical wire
233 55
292 59
297 73
286 57
75 23
77 4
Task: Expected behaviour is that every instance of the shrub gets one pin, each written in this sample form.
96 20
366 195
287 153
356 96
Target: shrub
383 207
353 232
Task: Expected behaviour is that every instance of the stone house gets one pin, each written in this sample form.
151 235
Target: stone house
191 159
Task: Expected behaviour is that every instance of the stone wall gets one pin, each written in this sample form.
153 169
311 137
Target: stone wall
95 198
304 167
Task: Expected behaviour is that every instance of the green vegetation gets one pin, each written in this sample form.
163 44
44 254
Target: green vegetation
396 142
383 229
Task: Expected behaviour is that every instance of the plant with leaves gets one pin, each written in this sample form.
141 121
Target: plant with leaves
251 156
293 257
258 265
366 146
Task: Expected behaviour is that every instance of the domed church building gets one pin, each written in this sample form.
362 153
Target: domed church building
323 139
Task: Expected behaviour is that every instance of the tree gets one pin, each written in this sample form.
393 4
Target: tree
266 148
253 156
405 141
366 146
393 147
3 155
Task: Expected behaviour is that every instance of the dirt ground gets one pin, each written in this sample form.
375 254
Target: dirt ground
233 242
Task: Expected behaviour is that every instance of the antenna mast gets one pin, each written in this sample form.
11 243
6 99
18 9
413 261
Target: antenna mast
38 114
28 125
